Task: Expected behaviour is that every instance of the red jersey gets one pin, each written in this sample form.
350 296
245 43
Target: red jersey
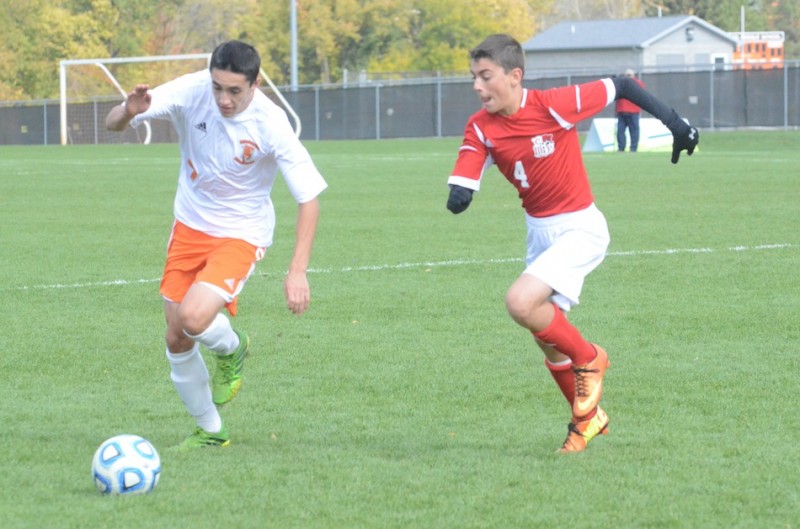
537 149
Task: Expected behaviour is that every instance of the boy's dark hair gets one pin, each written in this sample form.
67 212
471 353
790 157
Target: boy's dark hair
500 49
237 57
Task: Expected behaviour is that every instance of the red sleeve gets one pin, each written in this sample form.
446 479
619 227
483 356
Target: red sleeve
570 104
473 158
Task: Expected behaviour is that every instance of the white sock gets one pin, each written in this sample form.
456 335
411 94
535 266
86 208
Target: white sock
190 377
557 364
218 337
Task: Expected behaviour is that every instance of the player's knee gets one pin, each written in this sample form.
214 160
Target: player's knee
194 320
178 342
518 305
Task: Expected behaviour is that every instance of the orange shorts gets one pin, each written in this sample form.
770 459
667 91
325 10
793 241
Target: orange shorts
221 263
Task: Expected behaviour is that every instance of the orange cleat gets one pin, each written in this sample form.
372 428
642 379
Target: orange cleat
581 432
589 384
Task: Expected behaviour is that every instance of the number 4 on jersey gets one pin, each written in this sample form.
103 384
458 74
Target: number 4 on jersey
521 175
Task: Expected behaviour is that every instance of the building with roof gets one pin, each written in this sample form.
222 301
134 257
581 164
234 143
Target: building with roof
654 43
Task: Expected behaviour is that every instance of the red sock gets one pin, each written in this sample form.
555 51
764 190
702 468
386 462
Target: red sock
564 377
566 339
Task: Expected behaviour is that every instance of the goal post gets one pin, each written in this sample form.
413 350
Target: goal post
88 87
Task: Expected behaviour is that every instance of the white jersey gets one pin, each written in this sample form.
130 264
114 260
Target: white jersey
229 165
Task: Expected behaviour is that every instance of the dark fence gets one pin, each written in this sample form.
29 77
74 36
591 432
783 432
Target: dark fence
436 107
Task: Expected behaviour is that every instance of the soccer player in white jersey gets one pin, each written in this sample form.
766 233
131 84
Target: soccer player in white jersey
530 135
233 140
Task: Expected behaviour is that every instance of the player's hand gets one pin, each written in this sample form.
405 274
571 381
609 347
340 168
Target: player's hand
138 100
459 199
687 141
297 291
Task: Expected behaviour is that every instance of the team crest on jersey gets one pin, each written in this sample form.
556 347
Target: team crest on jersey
543 145
249 148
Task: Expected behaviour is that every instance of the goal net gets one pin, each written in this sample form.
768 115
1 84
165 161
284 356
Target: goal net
89 88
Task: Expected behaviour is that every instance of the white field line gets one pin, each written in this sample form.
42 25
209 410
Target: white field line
422 264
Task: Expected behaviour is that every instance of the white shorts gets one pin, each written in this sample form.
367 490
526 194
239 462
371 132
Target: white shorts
564 248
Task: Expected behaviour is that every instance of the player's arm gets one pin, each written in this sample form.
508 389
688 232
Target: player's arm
468 170
138 101
684 136
298 293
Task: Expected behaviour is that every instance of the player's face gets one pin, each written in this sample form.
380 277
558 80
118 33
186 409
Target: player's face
232 91
496 88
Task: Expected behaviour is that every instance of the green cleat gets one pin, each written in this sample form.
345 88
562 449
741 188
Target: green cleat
202 439
228 377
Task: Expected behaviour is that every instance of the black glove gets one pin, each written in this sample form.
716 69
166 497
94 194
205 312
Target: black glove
683 137
459 199
687 141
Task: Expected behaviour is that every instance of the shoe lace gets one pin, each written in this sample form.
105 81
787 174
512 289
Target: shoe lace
572 428
581 383
203 437
227 364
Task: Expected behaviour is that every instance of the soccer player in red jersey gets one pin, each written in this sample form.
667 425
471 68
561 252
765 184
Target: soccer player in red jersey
531 136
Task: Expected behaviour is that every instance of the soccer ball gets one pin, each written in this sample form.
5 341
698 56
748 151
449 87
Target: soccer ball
126 464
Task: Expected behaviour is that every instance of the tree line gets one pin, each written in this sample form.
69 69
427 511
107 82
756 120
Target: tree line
334 36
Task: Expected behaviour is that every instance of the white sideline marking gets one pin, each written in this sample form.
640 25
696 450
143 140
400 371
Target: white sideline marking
423 264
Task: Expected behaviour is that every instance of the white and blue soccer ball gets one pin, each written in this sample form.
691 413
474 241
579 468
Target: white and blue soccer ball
126 464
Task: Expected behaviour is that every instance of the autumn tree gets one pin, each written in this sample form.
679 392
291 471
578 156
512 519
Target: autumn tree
441 32
44 32
596 9
784 15
725 14
338 36
335 37
12 54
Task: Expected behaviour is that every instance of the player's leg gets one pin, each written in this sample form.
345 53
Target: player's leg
203 321
190 377
579 430
219 283
634 128
187 254
528 303
589 362
561 252
621 140
558 340
579 433
561 371
530 295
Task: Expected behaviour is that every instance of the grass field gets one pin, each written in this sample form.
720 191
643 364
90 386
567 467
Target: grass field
406 397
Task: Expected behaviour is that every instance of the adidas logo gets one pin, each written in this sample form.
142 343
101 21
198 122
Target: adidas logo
201 126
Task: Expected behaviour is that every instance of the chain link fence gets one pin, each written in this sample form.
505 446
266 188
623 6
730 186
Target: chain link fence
439 107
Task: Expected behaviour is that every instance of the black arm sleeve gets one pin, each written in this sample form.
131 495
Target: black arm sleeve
630 90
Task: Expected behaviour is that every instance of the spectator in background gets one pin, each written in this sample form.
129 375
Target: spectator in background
628 118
